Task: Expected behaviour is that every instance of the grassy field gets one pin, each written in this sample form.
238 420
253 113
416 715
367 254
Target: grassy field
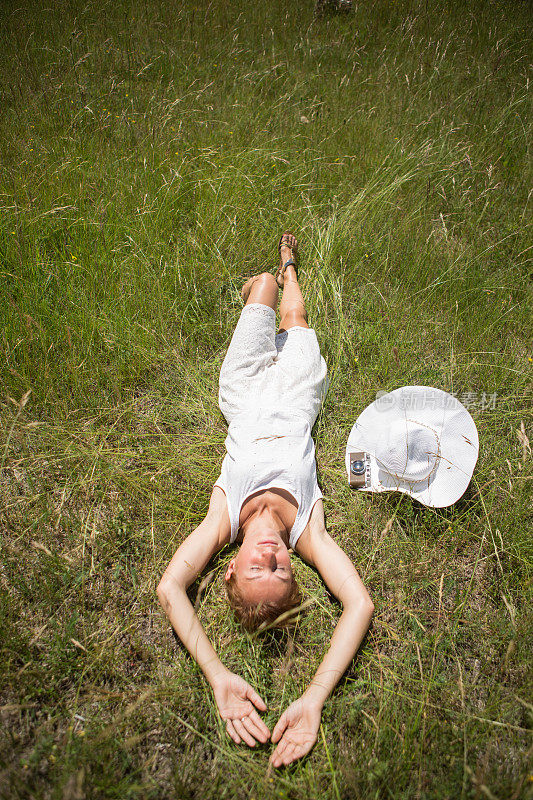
151 154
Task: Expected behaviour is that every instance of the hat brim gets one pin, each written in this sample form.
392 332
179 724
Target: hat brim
458 437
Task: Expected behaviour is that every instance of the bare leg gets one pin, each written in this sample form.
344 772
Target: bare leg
261 289
292 306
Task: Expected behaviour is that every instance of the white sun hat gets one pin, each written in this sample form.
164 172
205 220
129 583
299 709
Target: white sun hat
418 440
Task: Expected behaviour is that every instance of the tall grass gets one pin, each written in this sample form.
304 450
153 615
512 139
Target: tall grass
151 154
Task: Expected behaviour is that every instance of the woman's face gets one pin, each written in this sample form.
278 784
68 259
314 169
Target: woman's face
262 566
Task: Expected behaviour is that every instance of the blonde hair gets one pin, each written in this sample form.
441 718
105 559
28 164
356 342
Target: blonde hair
252 615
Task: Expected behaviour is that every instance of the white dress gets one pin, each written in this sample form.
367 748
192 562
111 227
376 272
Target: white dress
270 391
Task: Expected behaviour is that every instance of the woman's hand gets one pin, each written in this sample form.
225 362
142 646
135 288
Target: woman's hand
297 728
234 698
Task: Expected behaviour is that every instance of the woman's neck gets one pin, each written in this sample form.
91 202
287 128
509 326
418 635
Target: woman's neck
264 519
273 509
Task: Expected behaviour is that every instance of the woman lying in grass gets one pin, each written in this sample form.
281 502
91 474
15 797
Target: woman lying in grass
267 500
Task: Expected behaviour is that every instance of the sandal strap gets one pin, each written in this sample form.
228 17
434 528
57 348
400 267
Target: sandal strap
293 249
290 263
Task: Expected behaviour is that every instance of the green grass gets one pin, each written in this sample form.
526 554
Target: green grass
151 153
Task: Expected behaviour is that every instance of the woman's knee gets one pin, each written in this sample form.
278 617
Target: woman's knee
266 279
264 289
294 317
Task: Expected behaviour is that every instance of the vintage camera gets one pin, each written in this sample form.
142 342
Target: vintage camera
359 464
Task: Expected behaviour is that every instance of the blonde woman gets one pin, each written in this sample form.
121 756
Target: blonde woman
267 500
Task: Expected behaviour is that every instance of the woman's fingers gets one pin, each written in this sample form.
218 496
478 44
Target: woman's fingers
254 729
305 748
289 755
252 695
280 727
243 733
277 755
286 752
232 733
256 719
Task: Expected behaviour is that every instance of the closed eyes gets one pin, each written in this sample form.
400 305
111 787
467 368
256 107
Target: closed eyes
260 568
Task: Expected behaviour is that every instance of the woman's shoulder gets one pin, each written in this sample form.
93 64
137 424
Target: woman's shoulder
219 514
315 527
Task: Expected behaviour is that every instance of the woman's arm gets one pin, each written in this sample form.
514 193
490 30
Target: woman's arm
187 563
233 695
298 726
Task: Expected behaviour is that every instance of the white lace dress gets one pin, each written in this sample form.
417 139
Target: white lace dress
270 391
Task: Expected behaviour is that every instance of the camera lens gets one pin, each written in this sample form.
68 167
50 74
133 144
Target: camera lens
358 467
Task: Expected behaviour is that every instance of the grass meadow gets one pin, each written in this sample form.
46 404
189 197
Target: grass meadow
151 153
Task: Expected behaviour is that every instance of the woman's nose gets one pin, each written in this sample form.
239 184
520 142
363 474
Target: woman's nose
271 561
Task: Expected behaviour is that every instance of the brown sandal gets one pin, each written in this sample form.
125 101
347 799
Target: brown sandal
291 262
